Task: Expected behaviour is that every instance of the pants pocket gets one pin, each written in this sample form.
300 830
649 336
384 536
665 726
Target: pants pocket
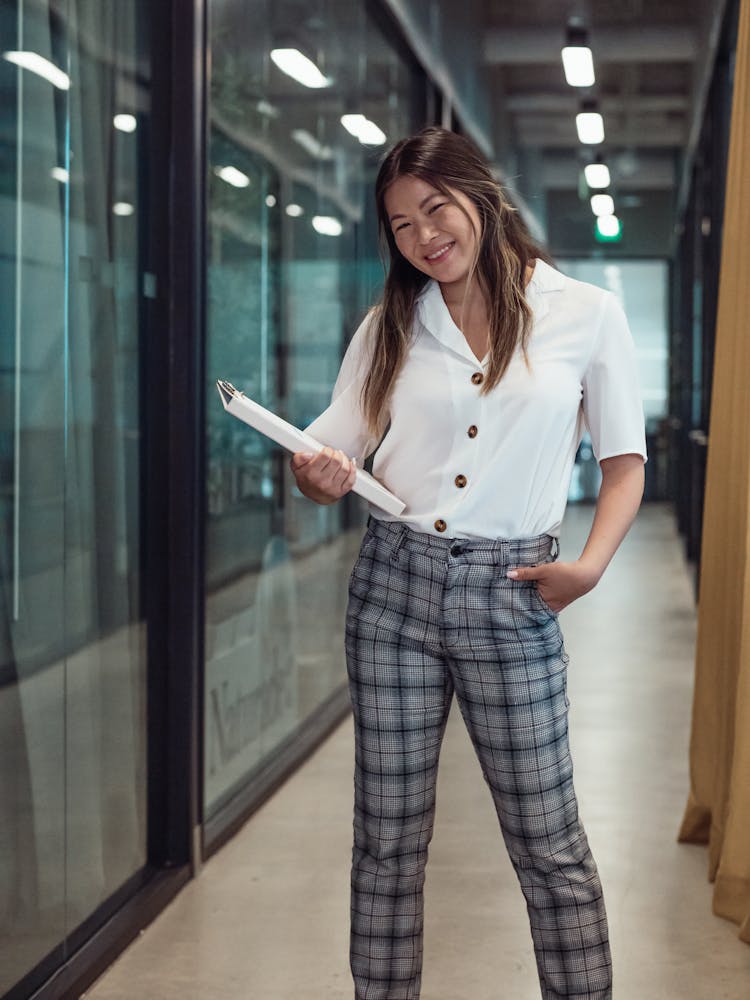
540 602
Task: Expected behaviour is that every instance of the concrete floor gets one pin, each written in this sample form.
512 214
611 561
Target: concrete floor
268 916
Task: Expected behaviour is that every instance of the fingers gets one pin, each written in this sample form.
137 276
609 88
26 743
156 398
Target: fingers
527 572
300 459
329 471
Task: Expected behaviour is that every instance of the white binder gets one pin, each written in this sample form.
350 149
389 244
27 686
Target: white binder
293 439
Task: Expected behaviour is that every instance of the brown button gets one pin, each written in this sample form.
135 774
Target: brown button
477 378
473 431
460 481
440 524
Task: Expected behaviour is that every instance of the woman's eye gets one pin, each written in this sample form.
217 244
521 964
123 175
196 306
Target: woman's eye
436 207
402 226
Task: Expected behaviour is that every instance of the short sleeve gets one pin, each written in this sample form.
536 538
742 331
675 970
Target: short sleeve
343 424
612 403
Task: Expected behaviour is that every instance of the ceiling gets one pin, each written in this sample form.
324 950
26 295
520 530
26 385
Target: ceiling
652 63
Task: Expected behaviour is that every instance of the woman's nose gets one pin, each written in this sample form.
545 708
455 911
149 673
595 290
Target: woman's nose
426 231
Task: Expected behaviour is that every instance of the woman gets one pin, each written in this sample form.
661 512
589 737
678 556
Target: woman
484 361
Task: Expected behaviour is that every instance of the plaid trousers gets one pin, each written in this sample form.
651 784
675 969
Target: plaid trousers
427 616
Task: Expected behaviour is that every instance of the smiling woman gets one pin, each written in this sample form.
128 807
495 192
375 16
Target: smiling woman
436 233
485 362
443 216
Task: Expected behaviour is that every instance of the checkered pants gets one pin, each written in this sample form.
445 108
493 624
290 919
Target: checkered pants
428 615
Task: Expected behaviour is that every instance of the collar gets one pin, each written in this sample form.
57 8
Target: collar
436 318
544 279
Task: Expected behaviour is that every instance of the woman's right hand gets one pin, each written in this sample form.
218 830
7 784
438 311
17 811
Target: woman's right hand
323 477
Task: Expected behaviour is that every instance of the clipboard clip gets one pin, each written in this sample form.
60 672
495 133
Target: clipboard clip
227 391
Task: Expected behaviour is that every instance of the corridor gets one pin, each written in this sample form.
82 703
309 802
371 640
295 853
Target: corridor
267 919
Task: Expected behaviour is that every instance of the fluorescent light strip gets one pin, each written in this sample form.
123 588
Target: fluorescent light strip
327 225
125 123
602 204
353 124
371 135
123 208
35 63
294 210
266 109
295 64
363 129
233 176
590 125
578 64
311 145
60 174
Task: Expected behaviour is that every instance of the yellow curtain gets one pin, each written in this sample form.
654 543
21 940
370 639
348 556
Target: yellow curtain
718 808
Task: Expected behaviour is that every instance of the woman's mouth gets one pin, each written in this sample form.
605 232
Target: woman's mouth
441 254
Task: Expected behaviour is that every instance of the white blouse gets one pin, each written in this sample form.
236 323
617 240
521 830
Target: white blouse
496 465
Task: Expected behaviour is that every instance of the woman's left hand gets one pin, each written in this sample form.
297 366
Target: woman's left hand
559 583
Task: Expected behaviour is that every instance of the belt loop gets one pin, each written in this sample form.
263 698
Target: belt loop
399 542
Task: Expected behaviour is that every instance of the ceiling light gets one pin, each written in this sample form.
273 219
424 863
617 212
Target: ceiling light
353 124
294 210
590 125
597 175
371 135
363 129
295 64
602 204
233 176
125 123
579 66
60 174
327 225
123 208
35 63
311 145
266 109
270 200
578 62
608 225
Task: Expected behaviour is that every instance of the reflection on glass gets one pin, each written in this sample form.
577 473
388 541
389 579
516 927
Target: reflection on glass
292 267
72 659
641 287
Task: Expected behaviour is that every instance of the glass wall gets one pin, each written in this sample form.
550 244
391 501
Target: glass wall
642 287
74 103
292 266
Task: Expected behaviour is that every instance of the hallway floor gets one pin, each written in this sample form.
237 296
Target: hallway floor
267 918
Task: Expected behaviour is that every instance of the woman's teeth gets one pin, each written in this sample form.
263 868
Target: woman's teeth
440 253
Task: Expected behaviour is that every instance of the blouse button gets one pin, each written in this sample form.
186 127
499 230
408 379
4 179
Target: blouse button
477 378
440 524
473 431
460 481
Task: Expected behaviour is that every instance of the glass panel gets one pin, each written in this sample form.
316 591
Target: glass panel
292 268
72 637
32 723
641 286
105 676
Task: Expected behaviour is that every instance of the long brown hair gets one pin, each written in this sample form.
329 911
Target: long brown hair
504 246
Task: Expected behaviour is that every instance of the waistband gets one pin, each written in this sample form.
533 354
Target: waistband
492 551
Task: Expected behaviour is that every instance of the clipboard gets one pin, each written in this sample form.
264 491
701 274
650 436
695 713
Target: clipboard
293 439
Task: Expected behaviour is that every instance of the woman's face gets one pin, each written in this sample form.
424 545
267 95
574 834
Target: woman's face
432 232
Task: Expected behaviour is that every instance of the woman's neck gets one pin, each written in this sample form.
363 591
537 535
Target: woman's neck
471 302
468 309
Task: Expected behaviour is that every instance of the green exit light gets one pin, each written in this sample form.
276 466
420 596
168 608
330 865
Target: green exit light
612 233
